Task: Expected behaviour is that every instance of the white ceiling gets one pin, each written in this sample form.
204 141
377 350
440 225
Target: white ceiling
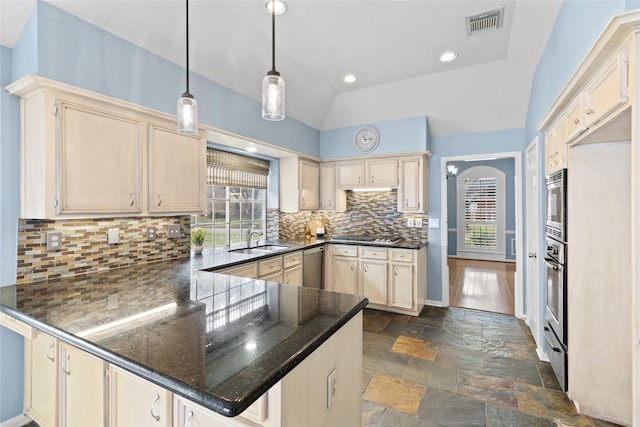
392 46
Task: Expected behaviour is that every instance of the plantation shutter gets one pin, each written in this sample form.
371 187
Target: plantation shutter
481 213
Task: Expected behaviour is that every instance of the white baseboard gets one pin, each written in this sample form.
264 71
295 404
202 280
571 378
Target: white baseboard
542 355
18 421
433 303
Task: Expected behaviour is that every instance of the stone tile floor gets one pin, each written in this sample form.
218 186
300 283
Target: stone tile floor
458 367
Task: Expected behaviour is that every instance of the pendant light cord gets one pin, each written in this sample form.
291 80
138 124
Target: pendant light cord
273 35
187 92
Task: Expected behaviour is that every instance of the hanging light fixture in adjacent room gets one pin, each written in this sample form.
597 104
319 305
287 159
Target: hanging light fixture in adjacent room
273 84
187 105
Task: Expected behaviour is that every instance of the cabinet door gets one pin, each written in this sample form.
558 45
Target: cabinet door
350 174
41 358
382 173
327 186
309 185
189 414
82 396
411 190
574 124
345 275
402 286
137 402
100 168
374 281
293 276
177 165
609 89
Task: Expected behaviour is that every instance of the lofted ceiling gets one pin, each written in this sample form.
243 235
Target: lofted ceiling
392 46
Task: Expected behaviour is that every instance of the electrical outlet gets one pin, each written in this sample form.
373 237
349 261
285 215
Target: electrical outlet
418 223
331 387
114 236
151 233
54 241
174 231
410 222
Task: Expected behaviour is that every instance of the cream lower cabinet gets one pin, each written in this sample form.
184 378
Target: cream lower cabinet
292 265
41 379
82 388
392 279
137 402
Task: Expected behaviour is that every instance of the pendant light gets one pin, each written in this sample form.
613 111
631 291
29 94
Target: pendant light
187 105
273 84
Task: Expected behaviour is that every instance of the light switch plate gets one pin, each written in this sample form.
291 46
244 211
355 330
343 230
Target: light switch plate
331 388
174 231
434 223
418 222
54 241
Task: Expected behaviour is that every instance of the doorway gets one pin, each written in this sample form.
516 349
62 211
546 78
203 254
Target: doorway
505 277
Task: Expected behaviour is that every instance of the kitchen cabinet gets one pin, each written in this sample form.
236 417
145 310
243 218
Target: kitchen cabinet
41 379
331 198
82 388
412 188
373 274
248 270
299 184
554 147
575 122
177 171
609 88
372 173
87 155
392 279
15 325
292 265
135 401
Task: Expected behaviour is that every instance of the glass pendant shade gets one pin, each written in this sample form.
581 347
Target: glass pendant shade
187 115
273 96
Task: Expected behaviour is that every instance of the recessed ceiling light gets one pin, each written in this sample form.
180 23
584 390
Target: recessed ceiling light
349 78
279 5
251 149
448 56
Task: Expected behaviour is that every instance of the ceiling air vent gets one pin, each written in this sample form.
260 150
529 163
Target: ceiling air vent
484 22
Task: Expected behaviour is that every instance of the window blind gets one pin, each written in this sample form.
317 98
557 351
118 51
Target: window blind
235 170
481 212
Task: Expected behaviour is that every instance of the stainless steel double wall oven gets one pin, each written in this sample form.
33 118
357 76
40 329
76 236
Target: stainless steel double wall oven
555 327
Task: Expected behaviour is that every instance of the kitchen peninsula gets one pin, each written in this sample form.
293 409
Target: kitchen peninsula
174 345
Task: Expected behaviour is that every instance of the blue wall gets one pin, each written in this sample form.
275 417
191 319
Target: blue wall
507 166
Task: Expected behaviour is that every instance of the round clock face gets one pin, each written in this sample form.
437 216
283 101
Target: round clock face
366 139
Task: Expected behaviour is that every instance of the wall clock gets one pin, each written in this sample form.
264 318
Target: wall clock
366 139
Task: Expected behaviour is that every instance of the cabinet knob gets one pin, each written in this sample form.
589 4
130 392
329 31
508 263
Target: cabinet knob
589 111
153 405
576 121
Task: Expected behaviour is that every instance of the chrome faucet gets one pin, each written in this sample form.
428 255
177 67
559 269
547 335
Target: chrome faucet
250 234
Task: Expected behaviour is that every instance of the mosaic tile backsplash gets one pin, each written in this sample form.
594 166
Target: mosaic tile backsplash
85 247
367 214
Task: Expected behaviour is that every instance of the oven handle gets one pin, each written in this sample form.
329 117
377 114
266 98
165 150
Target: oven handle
556 349
554 265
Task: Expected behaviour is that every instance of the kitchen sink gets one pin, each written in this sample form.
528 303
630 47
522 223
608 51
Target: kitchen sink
260 250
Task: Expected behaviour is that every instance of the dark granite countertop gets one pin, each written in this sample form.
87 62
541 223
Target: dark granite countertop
217 340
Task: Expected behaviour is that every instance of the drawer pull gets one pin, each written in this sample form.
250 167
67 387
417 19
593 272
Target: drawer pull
64 365
133 198
159 199
153 404
51 347
352 267
365 268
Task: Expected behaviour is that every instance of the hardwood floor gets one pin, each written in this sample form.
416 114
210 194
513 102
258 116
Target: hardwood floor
481 285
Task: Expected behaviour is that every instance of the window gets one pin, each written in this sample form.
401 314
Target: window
481 213
236 198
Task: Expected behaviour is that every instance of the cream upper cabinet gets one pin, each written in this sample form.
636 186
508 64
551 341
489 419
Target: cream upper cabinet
135 401
350 174
177 171
367 173
331 198
299 184
382 173
412 189
555 147
609 88
87 155
575 120
82 388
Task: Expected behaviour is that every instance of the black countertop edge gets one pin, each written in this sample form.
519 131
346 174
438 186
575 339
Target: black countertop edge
228 408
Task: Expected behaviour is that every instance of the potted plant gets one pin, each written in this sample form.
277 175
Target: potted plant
197 238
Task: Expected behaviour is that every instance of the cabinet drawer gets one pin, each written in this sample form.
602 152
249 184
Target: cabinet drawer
293 259
16 325
345 250
402 255
373 253
269 266
244 270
